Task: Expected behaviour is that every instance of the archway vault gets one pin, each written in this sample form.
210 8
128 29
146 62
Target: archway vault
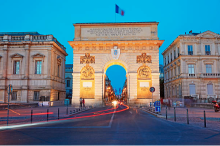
115 62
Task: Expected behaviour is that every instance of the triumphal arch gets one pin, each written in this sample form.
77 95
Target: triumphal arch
97 46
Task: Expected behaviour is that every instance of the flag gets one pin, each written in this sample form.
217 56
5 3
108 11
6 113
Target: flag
119 10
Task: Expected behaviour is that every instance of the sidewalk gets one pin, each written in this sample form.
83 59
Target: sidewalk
196 116
39 114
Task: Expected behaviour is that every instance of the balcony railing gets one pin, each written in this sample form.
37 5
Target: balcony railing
212 75
207 52
195 96
190 52
17 38
192 75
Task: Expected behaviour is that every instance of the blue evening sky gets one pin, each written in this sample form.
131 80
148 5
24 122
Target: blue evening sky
56 17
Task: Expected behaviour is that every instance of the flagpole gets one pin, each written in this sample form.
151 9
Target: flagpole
115 12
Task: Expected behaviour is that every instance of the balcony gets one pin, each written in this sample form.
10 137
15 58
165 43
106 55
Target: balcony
190 52
207 52
210 75
191 75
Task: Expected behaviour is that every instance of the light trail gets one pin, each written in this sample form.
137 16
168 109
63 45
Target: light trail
54 121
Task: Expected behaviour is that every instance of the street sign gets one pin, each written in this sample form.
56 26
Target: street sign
10 89
152 89
157 106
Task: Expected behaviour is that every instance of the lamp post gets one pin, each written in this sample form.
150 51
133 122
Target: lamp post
10 90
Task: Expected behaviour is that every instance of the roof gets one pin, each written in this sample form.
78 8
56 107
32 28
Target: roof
18 33
190 34
100 23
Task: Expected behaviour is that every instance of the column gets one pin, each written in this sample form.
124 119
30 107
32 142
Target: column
48 63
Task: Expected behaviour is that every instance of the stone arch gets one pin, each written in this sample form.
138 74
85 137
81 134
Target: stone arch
144 82
87 82
115 62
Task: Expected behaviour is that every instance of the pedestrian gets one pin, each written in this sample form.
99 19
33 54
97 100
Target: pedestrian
83 101
80 100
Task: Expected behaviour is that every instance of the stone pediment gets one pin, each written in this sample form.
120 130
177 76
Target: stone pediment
38 55
208 34
16 55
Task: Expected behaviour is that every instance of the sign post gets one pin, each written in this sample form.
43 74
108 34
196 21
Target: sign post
10 90
152 90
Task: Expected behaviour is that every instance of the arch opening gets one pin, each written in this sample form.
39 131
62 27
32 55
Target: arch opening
115 82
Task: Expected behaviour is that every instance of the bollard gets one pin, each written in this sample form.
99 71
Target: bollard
58 112
70 112
74 111
187 115
204 120
174 114
166 112
47 114
67 110
31 115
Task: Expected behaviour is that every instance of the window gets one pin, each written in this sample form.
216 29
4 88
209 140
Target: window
14 95
178 51
36 95
191 69
190 50
178 69
171 56
58 71
38 66
192 89
168 59
208 68
16 67
207 50
165 61
68 83
174 54
210 89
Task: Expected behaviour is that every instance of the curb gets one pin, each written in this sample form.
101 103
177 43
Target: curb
154 114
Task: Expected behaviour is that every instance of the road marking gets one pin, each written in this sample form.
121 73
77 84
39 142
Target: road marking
130 112
110 123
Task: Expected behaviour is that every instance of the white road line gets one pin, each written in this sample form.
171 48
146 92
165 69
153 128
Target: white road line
110 123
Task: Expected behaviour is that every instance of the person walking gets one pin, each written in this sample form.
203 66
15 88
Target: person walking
83 102
80 100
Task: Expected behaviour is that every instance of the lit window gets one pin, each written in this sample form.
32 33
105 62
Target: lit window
208 68
16 67
191 69
38 67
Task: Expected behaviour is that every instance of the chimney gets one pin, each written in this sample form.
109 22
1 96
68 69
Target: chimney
185 32
190 31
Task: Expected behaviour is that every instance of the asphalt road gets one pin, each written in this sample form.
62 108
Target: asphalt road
129 127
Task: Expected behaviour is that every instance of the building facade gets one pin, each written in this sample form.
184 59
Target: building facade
69 79
34 65
97 46
192 67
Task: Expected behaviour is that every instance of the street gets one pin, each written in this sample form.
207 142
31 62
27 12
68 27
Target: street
101 126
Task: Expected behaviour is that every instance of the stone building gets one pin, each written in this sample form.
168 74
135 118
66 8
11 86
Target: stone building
69 79
34 65
132 45
192 66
